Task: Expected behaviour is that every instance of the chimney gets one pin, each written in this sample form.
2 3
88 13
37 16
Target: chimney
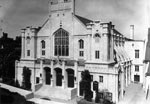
148 34
131 31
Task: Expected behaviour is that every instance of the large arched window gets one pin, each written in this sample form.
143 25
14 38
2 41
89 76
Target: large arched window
81 44
61 42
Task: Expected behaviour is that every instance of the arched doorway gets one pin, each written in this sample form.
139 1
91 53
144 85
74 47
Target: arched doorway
58 76
70 77
47 75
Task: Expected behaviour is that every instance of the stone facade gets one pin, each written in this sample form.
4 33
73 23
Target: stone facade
67 44
146 83
137 51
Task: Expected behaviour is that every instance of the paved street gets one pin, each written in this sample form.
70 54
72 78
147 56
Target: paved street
134 95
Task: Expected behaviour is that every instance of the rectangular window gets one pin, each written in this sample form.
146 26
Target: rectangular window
43 52
97 54
28 52
37 80
136 68
100 78
136 53
81 53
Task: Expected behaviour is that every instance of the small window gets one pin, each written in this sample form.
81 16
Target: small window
43 52
100 78
28 52
66 1
37 80
43 44
97 37
81 44
81 53
97 54
136 53
28 40
136 68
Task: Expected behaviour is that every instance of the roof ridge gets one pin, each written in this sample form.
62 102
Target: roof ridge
83 19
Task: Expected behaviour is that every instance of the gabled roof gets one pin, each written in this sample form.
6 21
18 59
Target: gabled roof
83 20
147 52
148 71
115 31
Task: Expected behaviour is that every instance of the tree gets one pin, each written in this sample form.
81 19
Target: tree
26 78
86 85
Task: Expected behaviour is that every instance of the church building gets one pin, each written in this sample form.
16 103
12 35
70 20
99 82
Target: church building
55 54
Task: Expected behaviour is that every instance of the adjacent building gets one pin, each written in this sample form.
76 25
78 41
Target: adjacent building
56 53
136 51
147 67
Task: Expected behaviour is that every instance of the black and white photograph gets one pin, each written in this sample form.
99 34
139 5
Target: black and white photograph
74 51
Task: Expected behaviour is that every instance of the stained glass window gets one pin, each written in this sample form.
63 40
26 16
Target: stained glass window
61 43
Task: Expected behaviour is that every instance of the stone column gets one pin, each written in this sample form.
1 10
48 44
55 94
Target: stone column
122 81
89 47
64 75
126 75
130 69
116 88
33 79
41 71
105 49
76 73
23 43
52 73
16 70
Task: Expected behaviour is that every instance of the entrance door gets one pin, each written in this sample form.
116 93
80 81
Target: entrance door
58 77
47 76
136 78
70 74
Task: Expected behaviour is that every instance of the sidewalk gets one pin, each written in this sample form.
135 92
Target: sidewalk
25 93
134 95
41 101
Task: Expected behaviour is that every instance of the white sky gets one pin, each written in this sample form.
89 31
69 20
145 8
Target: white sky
17 14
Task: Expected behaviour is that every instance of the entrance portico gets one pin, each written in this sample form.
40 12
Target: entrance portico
59 76
58 73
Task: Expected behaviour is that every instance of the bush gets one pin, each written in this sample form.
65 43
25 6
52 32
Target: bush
17 84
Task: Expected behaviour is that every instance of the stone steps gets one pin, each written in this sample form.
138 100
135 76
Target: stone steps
57 94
